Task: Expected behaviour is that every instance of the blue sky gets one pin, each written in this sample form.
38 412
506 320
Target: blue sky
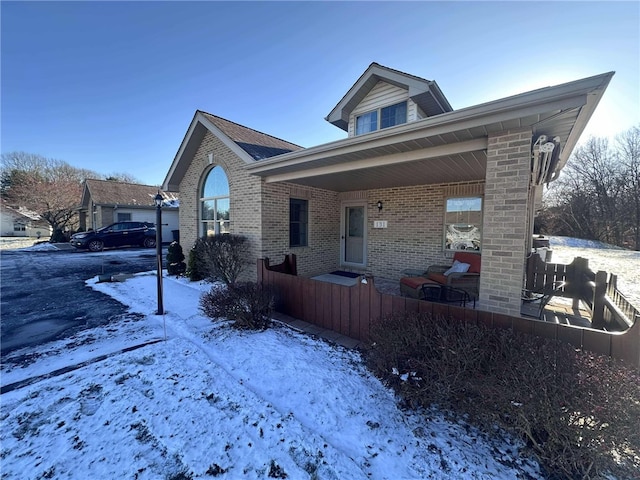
113 86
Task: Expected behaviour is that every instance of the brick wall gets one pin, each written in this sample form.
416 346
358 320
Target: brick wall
505 230
245 205
414 235
323 251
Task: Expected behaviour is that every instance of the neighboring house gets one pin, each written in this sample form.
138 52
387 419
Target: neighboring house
105 202
20 222
413 181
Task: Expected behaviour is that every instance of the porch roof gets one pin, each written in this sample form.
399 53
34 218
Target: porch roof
450 147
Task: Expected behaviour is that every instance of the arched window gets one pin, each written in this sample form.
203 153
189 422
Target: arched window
214 201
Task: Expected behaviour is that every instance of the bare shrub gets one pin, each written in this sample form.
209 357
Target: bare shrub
222 257
249 305
577 412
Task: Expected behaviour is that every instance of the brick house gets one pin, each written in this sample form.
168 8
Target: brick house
105 202
413 181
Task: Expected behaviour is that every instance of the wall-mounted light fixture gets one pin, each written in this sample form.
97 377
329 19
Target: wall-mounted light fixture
379 204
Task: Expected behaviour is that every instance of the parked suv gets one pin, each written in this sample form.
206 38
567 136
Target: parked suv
116 235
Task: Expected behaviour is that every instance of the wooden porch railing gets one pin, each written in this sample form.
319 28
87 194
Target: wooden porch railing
609 309
352 310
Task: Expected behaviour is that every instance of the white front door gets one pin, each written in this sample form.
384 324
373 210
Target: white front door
353 240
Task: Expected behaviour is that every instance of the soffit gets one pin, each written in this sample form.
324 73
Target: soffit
560 111
420 166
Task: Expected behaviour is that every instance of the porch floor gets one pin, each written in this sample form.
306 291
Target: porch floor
559 310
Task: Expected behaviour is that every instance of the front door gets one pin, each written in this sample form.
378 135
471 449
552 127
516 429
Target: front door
354 233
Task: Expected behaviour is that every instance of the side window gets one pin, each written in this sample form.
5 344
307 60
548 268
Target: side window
124 217
214 203
298 222
463 223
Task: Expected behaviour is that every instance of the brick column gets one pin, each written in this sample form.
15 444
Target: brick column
505 226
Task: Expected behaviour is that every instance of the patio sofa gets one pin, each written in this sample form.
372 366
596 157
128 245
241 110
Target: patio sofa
463 273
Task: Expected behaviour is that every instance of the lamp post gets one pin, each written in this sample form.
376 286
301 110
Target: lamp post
158 201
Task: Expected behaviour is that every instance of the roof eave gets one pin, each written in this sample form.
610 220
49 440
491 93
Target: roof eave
175 174
565 94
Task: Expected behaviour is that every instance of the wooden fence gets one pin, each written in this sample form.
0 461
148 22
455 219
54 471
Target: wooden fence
609 309
352 310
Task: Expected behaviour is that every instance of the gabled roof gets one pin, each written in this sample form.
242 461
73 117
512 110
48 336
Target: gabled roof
425 93
107 192
249 144
19 212
257 144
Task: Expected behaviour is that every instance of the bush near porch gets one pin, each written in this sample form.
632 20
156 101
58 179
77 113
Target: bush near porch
578 413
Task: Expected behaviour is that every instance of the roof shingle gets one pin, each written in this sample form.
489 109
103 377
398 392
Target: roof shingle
257 144
107 192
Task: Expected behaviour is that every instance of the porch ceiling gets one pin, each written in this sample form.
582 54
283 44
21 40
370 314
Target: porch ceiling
450 147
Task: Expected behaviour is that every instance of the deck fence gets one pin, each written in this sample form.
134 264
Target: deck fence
598 291
352 311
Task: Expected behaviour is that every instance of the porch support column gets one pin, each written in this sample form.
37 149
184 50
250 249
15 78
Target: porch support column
505 221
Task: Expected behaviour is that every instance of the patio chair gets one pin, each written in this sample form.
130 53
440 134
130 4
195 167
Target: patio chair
463 273
541 297
434 292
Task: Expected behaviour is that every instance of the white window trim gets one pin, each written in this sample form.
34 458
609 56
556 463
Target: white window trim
379 117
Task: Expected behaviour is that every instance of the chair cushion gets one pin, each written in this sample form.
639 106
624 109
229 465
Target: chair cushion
457 267
473 259
438 277
413 282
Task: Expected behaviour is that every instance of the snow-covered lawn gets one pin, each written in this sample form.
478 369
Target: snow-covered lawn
210 401
213 401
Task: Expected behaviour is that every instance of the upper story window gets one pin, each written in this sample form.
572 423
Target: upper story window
381 118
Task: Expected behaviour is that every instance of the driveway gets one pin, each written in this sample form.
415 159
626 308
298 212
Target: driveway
44 296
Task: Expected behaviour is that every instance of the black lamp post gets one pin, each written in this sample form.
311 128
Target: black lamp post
158 201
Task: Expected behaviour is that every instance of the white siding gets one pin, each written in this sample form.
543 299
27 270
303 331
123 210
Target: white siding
382 95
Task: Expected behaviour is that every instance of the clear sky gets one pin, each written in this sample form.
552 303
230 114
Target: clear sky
113 86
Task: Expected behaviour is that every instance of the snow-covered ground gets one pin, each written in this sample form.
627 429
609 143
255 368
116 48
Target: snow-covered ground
625 264
211 400
124 401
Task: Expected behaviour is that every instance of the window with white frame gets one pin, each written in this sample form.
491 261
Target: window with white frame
214 203
124 217
463 223
384 117
19 227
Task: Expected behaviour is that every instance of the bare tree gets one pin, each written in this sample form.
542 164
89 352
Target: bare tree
628 145
598 194
122 177
52 188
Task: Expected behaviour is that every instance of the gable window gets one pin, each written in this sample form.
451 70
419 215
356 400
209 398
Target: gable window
393 115
298 222
124 217
381 118
214 203
463 223
367 122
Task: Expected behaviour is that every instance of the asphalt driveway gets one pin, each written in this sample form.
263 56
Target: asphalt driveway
43 296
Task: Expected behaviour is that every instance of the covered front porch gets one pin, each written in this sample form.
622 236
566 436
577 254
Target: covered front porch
350 311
